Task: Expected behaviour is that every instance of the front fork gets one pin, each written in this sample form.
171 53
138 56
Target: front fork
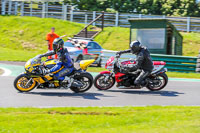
108 77
30 80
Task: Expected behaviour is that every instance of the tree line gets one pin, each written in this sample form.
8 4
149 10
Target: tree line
154 7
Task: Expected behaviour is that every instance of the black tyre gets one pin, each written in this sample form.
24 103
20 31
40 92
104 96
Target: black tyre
157 83
101 84
86 79
79 58
21 81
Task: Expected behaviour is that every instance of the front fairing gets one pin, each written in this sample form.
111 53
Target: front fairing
85 63
110 63
31 64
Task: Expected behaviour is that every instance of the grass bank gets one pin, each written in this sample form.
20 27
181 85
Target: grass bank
173 119
24 37
117 38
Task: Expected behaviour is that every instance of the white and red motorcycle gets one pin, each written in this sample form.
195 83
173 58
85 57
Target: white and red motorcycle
157 80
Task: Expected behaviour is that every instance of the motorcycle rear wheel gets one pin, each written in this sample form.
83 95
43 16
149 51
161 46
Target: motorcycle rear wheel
20 82
162 80
100 84
86 79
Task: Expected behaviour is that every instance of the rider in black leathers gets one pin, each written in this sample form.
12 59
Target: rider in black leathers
143 61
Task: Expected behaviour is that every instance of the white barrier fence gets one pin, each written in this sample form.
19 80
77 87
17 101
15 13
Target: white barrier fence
109 53
67 12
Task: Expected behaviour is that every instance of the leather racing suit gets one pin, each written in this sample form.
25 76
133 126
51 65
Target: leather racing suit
64 66
143 61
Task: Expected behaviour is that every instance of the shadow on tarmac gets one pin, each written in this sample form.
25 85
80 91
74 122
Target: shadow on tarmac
154 93
87 95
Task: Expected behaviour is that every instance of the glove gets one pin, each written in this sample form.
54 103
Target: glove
118 54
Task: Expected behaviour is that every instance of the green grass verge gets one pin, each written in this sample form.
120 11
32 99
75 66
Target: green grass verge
170 74
183 75
96 69
16 55
153 119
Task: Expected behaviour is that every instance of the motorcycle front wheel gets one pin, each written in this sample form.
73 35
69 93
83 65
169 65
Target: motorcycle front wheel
101 84
157 83
23 84
86 80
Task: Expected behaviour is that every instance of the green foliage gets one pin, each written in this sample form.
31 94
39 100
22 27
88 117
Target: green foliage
124 5
180 8
156 7
91 5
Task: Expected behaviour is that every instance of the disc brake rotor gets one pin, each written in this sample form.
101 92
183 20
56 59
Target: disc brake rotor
104 83
23 82
156 82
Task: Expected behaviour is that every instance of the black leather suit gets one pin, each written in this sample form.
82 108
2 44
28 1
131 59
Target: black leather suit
143 61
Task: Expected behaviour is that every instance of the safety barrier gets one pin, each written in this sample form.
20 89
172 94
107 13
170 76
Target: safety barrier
173 63
198 64
45 9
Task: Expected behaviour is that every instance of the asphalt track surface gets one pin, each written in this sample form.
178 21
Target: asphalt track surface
175 93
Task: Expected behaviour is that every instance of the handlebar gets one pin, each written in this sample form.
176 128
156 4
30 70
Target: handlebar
118 55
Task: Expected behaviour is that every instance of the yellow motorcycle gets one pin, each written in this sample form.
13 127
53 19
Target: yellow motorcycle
78 81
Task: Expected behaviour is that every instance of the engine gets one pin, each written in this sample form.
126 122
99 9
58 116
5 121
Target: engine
127 81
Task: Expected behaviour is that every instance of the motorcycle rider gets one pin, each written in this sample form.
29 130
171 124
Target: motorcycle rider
64 66
143 61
